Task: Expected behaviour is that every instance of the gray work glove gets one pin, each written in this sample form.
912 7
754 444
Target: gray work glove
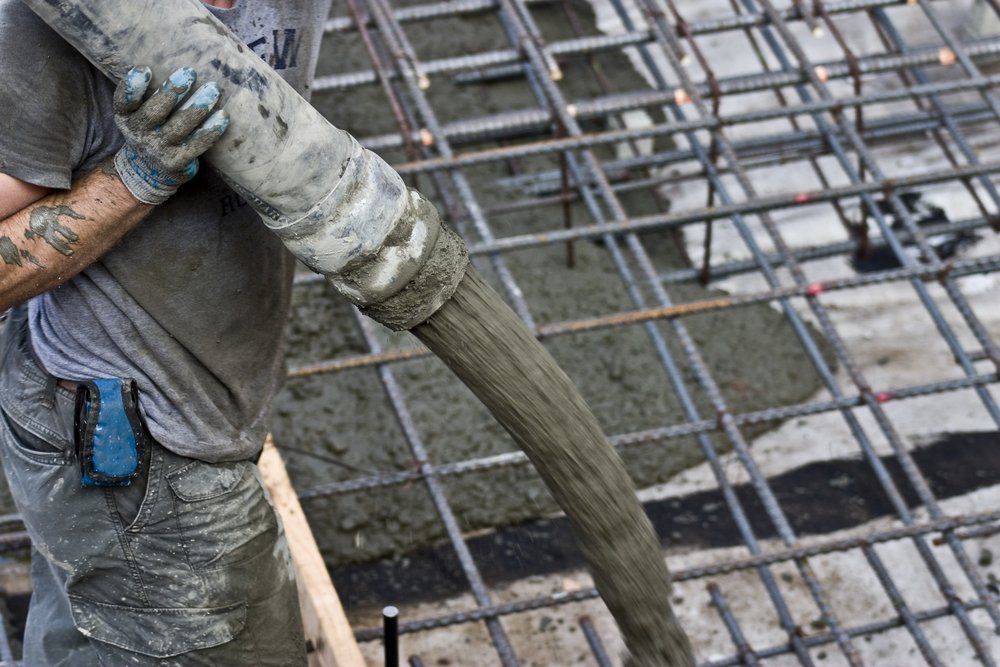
162 144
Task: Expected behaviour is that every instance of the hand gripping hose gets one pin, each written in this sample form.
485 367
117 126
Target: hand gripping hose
336 206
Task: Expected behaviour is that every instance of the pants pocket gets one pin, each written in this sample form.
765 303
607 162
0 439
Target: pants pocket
134 503
155 632
28 446
222 513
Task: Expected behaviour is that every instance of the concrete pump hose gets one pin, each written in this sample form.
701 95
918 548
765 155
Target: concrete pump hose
336 206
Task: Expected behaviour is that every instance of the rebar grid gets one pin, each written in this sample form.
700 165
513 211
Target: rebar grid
836 116
820 128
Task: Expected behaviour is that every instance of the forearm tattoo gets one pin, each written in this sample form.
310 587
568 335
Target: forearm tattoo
48 223
9 252
44 224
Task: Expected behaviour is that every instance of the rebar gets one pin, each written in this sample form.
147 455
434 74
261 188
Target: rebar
717 569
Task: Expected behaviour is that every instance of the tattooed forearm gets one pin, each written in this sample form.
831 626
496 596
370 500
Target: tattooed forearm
53 239
44 224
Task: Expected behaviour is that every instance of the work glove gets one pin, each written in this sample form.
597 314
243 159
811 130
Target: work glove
163 142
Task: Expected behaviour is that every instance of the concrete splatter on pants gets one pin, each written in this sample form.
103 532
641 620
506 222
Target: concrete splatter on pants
187 566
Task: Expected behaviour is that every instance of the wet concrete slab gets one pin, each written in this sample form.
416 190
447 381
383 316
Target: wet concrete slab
820 497
346 418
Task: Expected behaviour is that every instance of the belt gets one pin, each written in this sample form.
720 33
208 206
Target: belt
68 385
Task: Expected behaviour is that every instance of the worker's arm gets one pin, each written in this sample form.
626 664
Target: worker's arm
16 194
49 240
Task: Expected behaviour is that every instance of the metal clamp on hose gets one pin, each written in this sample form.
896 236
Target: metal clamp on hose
109 432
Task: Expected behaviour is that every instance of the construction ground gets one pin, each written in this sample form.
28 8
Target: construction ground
763 237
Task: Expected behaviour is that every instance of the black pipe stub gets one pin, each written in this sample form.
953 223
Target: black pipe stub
390 626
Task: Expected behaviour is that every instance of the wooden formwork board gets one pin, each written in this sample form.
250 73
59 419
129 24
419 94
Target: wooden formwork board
326 625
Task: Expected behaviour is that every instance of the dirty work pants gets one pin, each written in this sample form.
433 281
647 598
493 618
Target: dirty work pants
187 566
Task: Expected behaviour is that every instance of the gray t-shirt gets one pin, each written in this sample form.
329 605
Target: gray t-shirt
193 302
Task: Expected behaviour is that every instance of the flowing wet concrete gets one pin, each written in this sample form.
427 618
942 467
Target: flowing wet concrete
346 418
495 355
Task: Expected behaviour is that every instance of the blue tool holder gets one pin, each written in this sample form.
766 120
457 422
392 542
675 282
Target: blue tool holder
110 433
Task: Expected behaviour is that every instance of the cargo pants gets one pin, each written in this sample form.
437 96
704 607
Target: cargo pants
187 566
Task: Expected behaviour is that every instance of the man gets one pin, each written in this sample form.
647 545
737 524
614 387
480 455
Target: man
115 266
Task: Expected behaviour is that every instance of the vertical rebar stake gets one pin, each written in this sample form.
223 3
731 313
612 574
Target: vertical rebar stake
567 207
390 629
594 641
684 30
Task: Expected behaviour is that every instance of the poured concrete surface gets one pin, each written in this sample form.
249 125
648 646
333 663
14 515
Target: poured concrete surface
819 497
346 417
551 636
895 344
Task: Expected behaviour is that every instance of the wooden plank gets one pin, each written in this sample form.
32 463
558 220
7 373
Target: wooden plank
326 625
